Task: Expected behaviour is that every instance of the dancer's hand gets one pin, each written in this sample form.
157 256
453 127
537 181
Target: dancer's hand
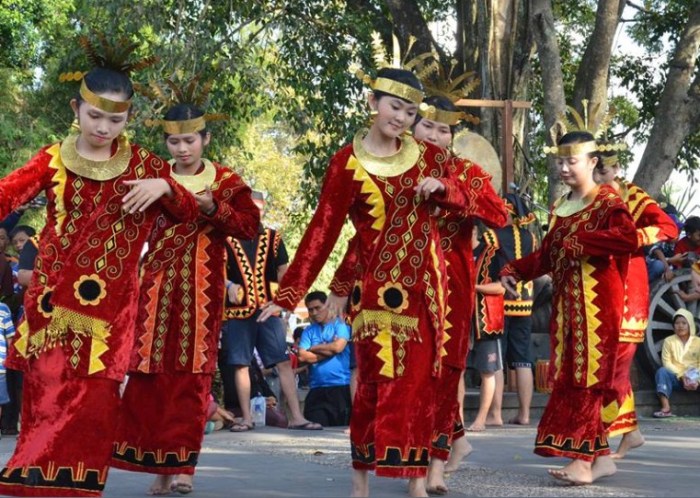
269 309
233 292
337 305
509 283
206 202
143 193
429 186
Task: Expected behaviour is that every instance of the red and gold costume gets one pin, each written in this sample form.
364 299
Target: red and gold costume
456 241
397 303
586 251
80 309
161 425
653 225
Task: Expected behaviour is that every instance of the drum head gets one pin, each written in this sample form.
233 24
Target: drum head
469 145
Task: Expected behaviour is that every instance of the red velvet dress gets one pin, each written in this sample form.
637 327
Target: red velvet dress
164 406
586 250
80 309
397 303
653 225
456 241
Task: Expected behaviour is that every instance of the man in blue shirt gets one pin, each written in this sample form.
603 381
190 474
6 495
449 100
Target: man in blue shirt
324 346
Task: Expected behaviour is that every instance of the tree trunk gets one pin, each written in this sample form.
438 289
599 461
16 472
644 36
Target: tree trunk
678 112
592 75
542 23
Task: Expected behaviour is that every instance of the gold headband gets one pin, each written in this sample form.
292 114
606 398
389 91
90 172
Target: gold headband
183 127
102 103
569 150
397 89
432 113
610 161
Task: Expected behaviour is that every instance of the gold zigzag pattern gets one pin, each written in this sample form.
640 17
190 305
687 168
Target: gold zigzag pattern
59 180
202 277
375 199
592 322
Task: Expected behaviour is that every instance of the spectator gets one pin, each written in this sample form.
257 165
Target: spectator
685 253
20 235
253 266
324 346
681 361
301 371
7 330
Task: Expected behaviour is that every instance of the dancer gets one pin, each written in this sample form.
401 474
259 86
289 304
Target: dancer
437 121
80 306
164 406
653 225
389 184
586 251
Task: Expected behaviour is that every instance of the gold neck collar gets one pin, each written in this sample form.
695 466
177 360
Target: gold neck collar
195 183
95 170
388 166
566 207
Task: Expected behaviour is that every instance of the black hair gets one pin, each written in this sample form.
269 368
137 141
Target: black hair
22 228
401 76
315 295
442 103
183 112
606 153
102 80
297 332
691 225
579 137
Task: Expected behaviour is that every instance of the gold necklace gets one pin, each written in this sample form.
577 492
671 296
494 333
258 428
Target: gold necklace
394 165
198 182
95 170
566 207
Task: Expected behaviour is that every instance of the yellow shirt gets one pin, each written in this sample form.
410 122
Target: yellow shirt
678 357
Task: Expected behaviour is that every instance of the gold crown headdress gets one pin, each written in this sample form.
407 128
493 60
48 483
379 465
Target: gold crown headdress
387 85
564 125
188 92
438 82
108 55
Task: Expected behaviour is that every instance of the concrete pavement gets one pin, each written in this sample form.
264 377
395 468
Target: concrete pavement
271 462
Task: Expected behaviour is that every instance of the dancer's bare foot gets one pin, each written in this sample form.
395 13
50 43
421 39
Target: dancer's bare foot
476 427
494 421
629 441
435 484
603 467
519 421
160 485
461 448
578 472
416 487
182 484
360 483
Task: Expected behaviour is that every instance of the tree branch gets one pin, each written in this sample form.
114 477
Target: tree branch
408 20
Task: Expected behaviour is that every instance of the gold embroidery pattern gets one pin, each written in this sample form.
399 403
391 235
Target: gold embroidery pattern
163 315
369 188
186 299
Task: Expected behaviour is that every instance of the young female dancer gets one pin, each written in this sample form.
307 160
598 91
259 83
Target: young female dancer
389 184
80 307
164 407
653 225
586 250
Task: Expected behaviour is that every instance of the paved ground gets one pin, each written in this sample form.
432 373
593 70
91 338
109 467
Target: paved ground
270 462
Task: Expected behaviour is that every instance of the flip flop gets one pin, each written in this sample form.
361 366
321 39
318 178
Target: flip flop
663 414
242 427
306 426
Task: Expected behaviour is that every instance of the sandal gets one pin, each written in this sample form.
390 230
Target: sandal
242 427
663 414
183 488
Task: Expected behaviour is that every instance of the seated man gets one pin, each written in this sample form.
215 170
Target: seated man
681 359
323 346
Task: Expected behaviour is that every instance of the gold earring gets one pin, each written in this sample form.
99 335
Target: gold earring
372 116
75 125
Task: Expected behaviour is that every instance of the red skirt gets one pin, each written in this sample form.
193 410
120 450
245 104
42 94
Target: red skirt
619 414
392 420
67 432
448 423
161 424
